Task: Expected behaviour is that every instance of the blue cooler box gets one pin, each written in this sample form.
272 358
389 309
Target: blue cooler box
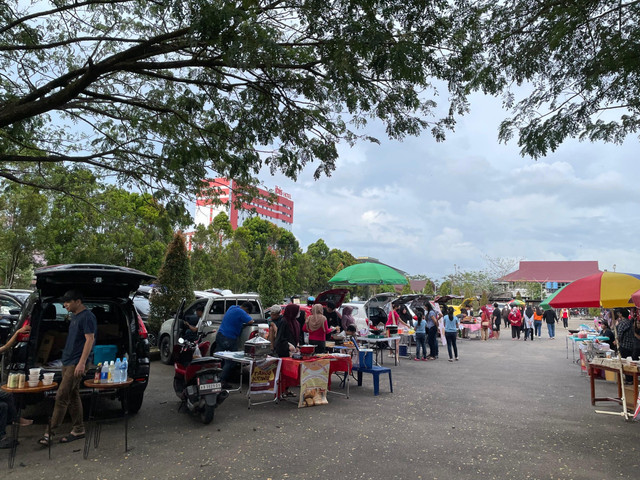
104 353
366 358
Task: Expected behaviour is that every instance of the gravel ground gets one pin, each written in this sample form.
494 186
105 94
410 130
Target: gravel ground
507 410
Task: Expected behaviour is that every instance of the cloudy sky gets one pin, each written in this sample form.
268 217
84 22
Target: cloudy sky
424 206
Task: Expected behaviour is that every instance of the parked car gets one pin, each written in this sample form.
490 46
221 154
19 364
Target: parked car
141 300
358 313
11 302
335 295
214 308
106 290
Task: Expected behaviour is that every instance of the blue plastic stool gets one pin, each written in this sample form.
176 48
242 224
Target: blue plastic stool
376 371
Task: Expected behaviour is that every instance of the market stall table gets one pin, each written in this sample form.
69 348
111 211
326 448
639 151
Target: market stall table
20 395
243 359
94 426
391 342
470 327
613 365
574 340
290 372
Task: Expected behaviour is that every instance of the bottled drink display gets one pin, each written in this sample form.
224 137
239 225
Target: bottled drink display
112 371
116 372
104 373
125 369
96 377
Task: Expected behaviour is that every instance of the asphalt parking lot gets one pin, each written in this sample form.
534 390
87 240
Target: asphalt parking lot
506 410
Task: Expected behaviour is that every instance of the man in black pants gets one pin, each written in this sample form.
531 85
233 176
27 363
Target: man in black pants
496 320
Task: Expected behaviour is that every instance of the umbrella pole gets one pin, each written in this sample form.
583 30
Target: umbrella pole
624 413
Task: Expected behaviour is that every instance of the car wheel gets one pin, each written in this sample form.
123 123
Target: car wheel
166 350
151 337
135 402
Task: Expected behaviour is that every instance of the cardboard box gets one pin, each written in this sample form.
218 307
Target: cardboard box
45 349
52 343
631 402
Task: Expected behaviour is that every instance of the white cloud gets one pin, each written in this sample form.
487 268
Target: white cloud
422 206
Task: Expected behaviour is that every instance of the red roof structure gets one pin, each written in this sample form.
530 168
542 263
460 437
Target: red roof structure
564 272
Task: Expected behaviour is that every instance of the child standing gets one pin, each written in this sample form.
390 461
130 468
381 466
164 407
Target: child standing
421 335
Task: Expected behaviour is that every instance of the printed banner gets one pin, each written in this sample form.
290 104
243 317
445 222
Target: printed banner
264 376
314 381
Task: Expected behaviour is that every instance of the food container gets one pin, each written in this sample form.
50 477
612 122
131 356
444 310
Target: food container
33 383
34 372
21 380
392 330
47 378
257 347
307 350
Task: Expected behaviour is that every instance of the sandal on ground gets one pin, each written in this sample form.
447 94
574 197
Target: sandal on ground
45 440
289 394
71 438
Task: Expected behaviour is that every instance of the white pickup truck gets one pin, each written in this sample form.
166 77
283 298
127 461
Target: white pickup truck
214 309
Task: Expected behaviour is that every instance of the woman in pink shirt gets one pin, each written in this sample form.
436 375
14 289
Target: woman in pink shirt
318 327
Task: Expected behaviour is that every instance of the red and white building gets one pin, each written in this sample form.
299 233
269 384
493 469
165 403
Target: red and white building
278 211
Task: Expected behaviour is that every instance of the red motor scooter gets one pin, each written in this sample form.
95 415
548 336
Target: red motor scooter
197 379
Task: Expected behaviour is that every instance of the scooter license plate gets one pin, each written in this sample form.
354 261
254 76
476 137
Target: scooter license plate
211 387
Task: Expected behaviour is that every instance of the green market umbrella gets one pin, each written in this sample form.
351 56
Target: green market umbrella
545 303
368 273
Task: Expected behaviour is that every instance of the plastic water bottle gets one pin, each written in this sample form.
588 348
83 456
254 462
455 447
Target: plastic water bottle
117 371
104 373
125 369
112 372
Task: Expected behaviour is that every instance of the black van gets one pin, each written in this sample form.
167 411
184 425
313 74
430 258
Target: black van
106 290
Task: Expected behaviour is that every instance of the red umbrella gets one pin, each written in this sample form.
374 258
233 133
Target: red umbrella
635 298
604 289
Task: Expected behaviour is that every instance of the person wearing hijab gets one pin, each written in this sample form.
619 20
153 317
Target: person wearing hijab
485 323
347 317
432 317
528 322
289 331
274 322
318 328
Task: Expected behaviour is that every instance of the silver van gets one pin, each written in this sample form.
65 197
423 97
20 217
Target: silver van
214 309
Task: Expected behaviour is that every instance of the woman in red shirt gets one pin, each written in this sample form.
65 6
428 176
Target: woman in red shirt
515 319
318 327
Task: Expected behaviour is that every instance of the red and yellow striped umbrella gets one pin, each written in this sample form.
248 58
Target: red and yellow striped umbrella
604 289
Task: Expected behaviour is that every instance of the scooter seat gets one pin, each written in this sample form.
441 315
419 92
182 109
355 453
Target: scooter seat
197 361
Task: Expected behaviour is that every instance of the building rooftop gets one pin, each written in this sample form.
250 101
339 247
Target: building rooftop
556 271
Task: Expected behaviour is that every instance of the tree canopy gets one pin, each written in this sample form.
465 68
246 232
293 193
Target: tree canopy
579 58
161 93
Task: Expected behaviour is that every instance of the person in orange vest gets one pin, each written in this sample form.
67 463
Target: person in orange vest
537 321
